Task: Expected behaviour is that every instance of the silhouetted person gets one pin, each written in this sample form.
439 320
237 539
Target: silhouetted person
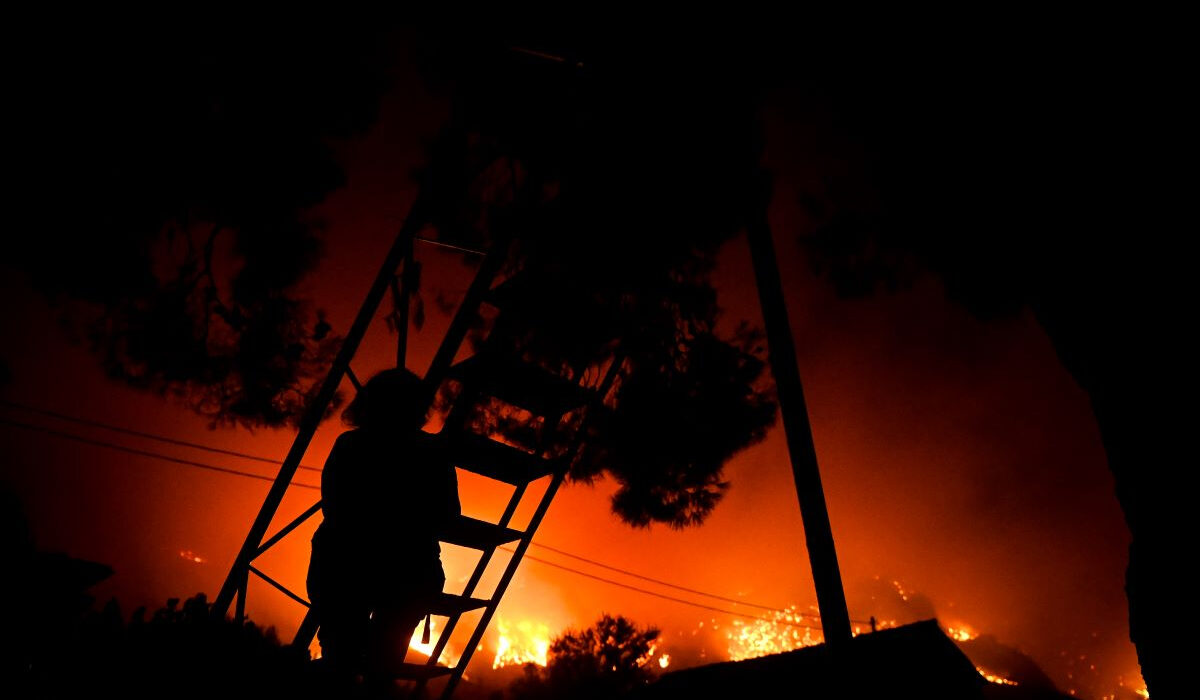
386 496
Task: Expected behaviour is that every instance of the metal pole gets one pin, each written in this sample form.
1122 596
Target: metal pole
401 295
818 536
316 410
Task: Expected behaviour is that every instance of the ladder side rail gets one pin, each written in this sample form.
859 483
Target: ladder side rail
460 412
485 559
315 411
502 586
468 311
307 630
560 474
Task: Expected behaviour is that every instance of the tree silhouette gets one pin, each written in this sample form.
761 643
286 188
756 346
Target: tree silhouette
981 173
189 227
175 173
617 182
607 660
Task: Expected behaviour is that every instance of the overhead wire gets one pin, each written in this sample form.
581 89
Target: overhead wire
234 472
142 434
144 453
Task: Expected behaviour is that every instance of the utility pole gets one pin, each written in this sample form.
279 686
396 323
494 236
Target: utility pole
818 536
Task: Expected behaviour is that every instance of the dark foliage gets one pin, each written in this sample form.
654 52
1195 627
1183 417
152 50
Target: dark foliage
1033 168
172 172
188 162
617 178
607 660
178 651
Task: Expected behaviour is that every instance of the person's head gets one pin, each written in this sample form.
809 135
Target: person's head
392 399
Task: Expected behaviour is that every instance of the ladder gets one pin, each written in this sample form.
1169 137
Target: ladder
494 372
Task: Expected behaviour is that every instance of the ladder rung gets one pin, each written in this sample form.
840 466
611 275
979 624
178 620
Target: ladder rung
420 672
478 534
495 460
448 604
522 384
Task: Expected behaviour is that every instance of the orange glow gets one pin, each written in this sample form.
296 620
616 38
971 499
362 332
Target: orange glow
525 643
960 632
992 678
782 631
191 556
663 659
448 658
886 521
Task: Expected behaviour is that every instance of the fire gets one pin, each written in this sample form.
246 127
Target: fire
783 631
448 657
993 678
663 659
191 556
961 633
526 643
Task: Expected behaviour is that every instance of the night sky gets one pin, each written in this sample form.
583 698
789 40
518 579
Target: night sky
960 459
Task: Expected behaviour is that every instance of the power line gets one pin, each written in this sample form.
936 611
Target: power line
143 453
668 584
141 434
201 465
693 604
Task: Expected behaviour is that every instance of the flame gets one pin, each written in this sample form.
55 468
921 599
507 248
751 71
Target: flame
191 556
783 631
663 659
993 678
1143 692
526 643
645 658
448 657
961 633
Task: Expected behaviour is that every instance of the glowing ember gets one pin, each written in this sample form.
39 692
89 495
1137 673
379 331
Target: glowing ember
961 633
525 643
998 680
783 631
190 556
665 660
448 657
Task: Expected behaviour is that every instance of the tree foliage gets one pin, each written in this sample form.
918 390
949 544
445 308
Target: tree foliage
607 660
189 226
617 180
175 172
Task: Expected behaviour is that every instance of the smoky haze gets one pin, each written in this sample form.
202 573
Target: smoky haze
959 459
